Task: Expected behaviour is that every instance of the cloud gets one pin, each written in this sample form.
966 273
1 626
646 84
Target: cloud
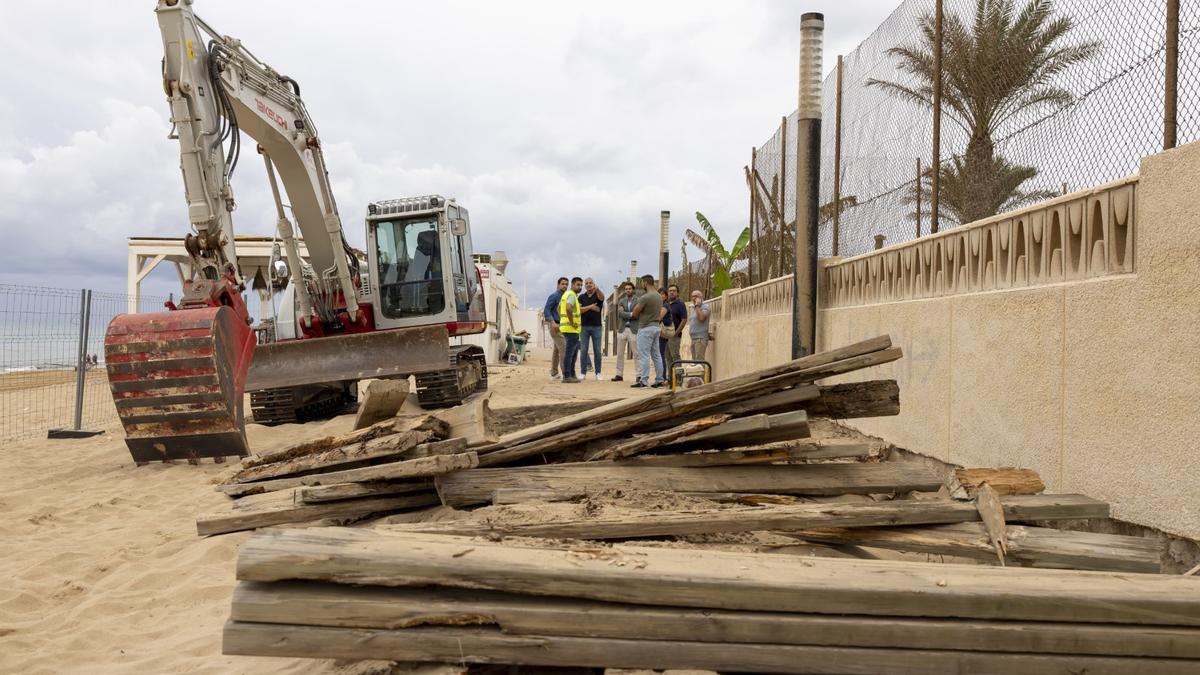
565 128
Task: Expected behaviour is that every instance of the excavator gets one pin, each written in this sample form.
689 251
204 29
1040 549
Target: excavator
178 377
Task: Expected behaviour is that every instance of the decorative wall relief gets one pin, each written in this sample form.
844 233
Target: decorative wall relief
1080 235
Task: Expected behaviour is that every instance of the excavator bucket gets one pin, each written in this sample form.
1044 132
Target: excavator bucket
177 379
357 356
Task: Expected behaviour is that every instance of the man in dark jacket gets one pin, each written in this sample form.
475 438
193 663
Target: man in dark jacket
551 318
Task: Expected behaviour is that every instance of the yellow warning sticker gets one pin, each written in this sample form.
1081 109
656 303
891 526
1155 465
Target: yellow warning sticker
191 52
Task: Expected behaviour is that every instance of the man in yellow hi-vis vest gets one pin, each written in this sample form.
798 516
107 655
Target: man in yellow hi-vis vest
568 325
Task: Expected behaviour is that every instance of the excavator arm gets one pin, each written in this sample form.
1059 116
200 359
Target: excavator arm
178 377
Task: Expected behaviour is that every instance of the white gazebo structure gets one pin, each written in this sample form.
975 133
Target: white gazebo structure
145 254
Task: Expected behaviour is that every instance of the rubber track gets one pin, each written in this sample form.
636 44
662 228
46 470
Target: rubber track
441 389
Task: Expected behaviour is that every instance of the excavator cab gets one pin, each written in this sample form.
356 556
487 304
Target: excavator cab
419 253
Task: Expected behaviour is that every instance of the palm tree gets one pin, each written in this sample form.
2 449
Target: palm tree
720 259
954 189
1001 66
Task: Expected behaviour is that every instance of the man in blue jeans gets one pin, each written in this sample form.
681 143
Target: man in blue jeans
649 312
591 314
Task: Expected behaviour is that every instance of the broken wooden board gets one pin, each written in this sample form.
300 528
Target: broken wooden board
646 442
1036 546
384 447
1004 480
873 398
478 485
469 419
412 468
382 607
381 401
236 520
787 451
490 646
318 445
719 579
991 512
568 525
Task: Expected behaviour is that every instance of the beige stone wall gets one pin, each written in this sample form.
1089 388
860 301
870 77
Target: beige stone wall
1063 338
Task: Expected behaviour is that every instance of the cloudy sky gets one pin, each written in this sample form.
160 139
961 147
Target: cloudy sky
565 127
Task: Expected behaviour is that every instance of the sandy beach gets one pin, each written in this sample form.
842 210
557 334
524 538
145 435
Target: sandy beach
104 572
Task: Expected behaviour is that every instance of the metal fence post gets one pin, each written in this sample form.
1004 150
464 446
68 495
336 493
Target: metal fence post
837 160
1171 81
808 169
81 362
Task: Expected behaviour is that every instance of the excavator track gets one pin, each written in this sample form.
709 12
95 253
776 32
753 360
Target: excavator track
290 405
445 388
176 379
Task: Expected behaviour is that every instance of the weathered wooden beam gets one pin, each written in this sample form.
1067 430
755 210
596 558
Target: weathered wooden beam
719 579
1037 546
477 486
761 428
236 520
785 451
412 468
484 645
566 525
646 442
338 491
381 607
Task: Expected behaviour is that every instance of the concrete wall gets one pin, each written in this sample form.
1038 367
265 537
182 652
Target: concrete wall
1064 338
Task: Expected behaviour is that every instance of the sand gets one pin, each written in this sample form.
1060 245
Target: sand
102 568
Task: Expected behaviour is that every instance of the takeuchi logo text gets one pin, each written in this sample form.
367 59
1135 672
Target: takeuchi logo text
270 114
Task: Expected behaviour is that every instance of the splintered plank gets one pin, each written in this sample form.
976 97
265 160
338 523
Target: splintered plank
488 645
412 468
381 607
756 519
391 445
874 398
236 520
319 445
1037 546
720 579
478 485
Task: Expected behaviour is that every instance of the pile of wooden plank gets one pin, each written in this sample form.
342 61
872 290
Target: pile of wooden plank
383 594
388 467
775 551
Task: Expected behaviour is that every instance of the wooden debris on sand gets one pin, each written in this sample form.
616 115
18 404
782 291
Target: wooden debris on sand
737 510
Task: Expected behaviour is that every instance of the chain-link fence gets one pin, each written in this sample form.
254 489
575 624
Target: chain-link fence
52 358
1039 97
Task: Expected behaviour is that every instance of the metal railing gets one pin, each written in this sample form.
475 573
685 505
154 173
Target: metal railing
52 375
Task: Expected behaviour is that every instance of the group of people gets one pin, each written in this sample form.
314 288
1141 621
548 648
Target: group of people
650 319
